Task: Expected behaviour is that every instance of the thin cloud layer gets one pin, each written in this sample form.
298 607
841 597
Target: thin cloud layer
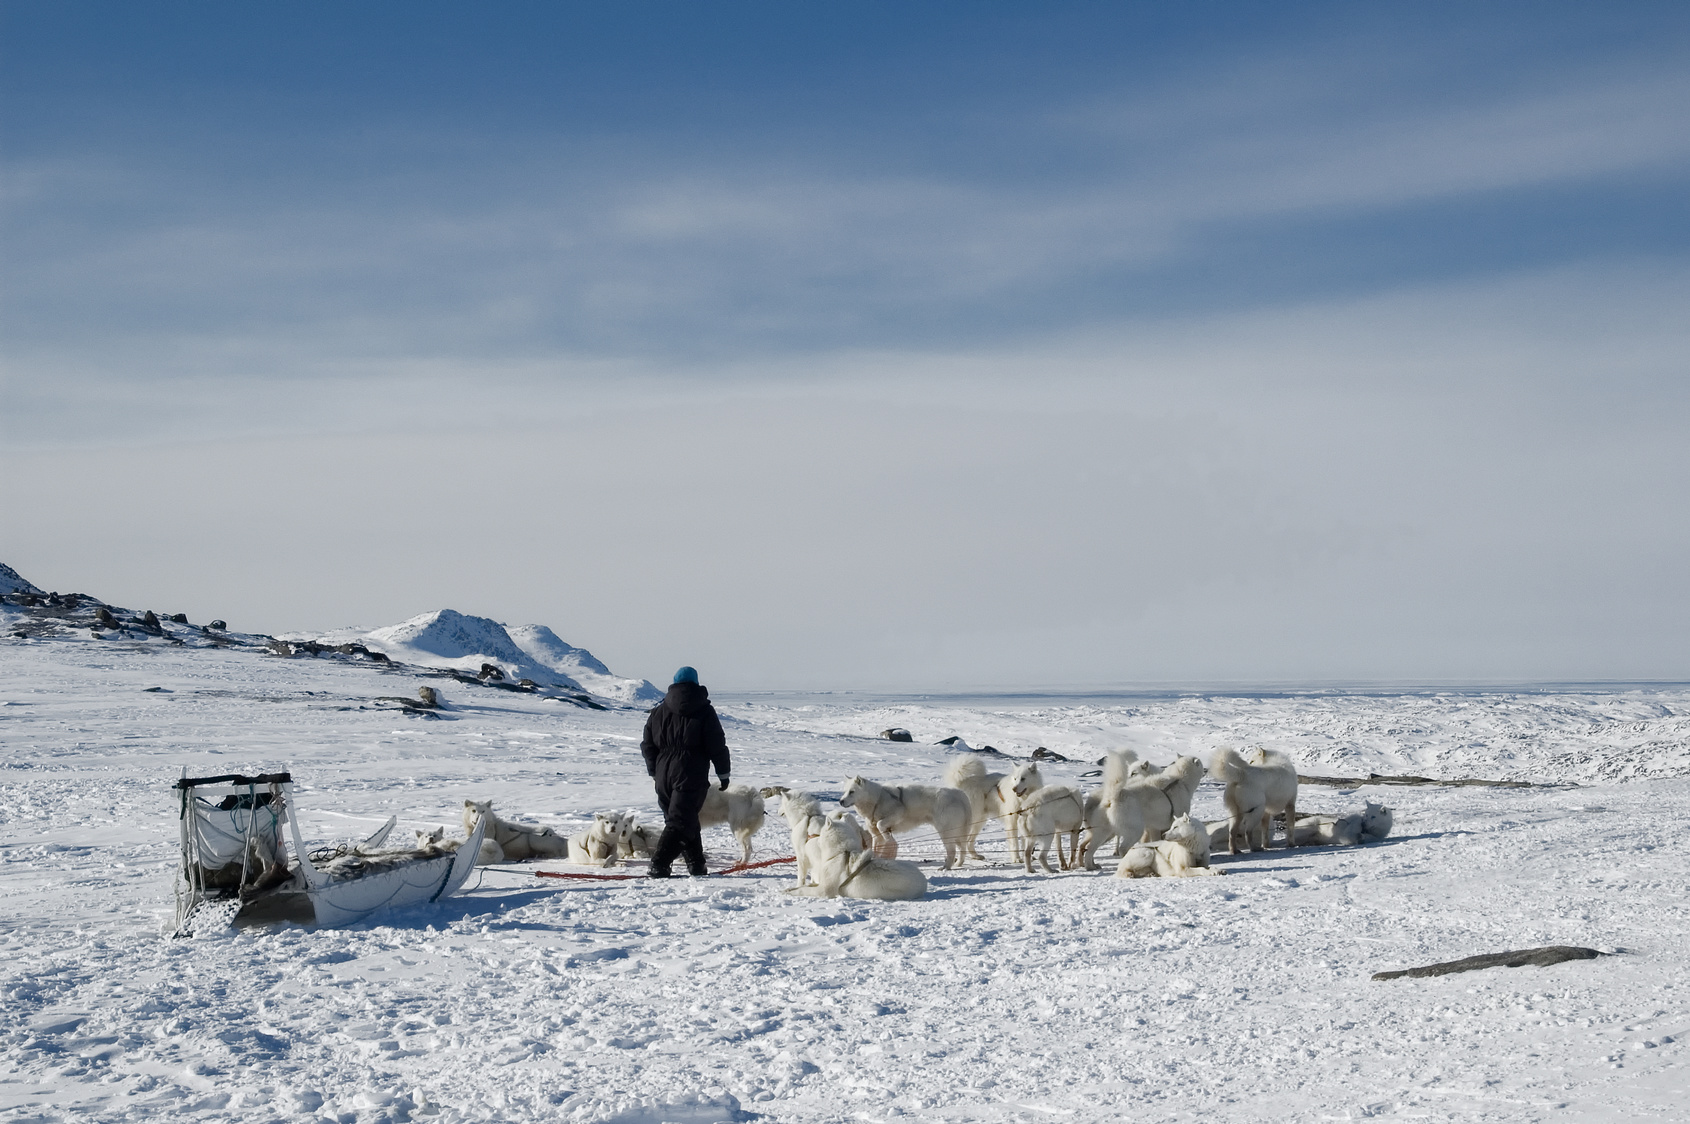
1070 347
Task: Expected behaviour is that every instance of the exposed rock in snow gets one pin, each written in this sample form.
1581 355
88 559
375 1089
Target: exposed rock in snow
13 582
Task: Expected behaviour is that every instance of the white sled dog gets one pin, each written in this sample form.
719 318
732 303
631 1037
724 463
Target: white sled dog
1140 801
797 809
991 796
1182 853
1254 792
1024 778
601 844
519 841
1179 781
1048 812
1189 834
741 808
1136 808
891 810
842 868
436 840
968 772
641 841
1369 825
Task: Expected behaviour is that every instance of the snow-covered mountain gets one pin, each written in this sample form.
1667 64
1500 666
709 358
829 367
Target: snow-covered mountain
13 582
543 646
447 638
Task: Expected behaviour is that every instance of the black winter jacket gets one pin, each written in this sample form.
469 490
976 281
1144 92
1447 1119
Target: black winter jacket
683 738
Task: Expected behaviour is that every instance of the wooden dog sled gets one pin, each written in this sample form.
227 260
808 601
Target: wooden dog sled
234 856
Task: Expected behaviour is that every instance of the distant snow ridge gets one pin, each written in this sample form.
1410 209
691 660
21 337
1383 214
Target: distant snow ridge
447 638
543 646
13 582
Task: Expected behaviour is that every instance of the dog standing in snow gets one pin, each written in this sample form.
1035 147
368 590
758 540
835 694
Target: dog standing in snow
991 796
968 772
797 809
518 841
741 808
1142 801
1254 792
1024 778
842 868
891 810
1051 811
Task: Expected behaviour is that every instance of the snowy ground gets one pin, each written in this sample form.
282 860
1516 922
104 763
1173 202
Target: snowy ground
1000 997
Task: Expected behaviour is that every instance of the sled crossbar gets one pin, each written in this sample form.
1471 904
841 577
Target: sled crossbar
236 778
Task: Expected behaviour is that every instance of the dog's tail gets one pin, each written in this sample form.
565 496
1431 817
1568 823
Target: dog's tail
964 767
1116 763
1226 765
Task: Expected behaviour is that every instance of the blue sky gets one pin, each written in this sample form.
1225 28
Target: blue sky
959 344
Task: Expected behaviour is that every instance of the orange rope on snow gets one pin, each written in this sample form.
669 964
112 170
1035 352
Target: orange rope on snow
735 869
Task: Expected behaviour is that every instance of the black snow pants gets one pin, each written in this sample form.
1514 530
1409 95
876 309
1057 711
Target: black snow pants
681 803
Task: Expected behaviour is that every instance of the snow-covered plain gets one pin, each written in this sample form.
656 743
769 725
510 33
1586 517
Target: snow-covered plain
1000 997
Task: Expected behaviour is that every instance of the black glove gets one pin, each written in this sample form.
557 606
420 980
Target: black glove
724 781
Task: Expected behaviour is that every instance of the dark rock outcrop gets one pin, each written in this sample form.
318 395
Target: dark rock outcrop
1519 958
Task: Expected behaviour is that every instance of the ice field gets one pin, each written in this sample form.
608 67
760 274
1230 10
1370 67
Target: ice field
1000 997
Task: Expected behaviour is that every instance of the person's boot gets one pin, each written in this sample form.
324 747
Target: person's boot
694 848
668 847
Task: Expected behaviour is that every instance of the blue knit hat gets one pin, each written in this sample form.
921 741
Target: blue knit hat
686 675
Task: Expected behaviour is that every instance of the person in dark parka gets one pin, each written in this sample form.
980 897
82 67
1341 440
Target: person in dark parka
683 738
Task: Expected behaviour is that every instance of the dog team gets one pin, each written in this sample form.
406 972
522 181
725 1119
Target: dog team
1144 810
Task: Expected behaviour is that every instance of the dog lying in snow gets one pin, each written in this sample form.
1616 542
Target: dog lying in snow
797 809
1369 825
601 844
518 841
641 841
436 841
843 868
741 808
891 810
1181 853
1254 792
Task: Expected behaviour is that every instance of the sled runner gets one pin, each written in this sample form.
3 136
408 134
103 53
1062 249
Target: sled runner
233 852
